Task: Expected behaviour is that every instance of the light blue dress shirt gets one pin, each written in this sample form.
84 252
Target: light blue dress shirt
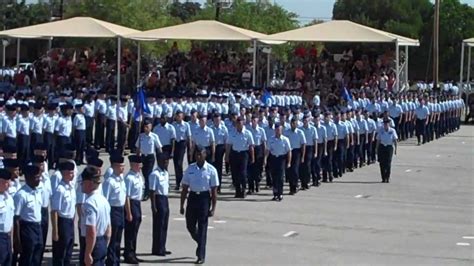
387 137
269 131
89 110
258 134
28 204
279 146
422 112
122 114
159 181
183 131
134 185
36 124
46 191
7 212
49 123
342 130
203 136
23 125
310 134
166 133
322 134
63 126
193 126
395 110
111 112
331 130
79 122
64 200
200 179
14 187
147 144
9 127
220 133
100 106
296 137
56 178
95 212
114 190
363 127
241 141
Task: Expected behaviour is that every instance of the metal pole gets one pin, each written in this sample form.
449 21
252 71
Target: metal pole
436 46
268 68
138 63
254 70
119 56
18 43
397 69
406 66
462 66
468 77
3 54
218 10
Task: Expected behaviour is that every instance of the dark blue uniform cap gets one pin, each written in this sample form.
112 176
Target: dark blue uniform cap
94 161
135 158
38 159
11 163
5 174
66 166
31 170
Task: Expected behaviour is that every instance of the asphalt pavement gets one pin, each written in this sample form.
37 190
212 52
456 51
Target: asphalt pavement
424 216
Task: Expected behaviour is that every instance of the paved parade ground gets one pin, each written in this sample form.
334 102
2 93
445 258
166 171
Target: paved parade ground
423 217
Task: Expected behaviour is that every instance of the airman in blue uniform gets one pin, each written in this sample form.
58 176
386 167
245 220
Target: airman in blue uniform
332 139
159 189
183 142
322 141
63 211
386 147
134 185
167 134
95 220
46 194
279 159
28 239
7 212
221 135
200 181
240 147
342 145
114 190
255 169
204 136
422 114
311 152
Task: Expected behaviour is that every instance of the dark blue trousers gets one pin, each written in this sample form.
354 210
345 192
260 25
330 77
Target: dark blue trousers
50 144
89 129
31 238
35 138
197 215
6 249
339 158
44 227
148 162
117 220
328 165
160 225
305 168
293 173
316 164
110 135
277 165
121 135
99 131
238 168
178 158
23 148
421 130
62 249
61 143
254 170
98 253
80 144
131 229
219 160
133 135
10 141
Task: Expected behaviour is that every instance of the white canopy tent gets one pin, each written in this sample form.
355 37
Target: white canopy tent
469 43
78 27
348 31
207 30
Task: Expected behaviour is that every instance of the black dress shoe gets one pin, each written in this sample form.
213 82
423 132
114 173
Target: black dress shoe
280 198
168 252
130 261
274 198
200 261
139 260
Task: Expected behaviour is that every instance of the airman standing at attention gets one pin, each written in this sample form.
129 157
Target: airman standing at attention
7 211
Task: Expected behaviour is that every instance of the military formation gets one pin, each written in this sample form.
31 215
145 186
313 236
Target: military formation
261 138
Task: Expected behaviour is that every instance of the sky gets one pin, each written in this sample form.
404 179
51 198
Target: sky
307 10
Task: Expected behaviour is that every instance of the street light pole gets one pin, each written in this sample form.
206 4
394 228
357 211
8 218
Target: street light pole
436 45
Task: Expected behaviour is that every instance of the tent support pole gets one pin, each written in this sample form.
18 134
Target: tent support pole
468 77
254 70
3 54
397 59
119 56
269 55
462 66
138 62
18 43
406 66
50 44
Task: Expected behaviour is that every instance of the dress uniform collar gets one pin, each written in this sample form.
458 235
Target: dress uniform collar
68 186
117 177
161 170
204 166
30 189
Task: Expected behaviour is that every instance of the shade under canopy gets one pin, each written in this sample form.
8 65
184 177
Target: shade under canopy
78 27
204 30
342 31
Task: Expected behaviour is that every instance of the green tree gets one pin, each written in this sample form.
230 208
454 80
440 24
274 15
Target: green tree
414 18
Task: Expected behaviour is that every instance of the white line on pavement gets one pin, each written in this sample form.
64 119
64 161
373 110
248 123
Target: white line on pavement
437 155
178 219
291 233
468 237
408 170
358 196
210 227
462 244
220 221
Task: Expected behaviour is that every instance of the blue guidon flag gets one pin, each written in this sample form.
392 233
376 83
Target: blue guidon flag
142 106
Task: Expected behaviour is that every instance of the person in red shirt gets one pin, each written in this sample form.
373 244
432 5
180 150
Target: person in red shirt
300 51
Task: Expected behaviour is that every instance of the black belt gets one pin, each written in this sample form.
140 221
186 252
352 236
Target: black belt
194 193
239 151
